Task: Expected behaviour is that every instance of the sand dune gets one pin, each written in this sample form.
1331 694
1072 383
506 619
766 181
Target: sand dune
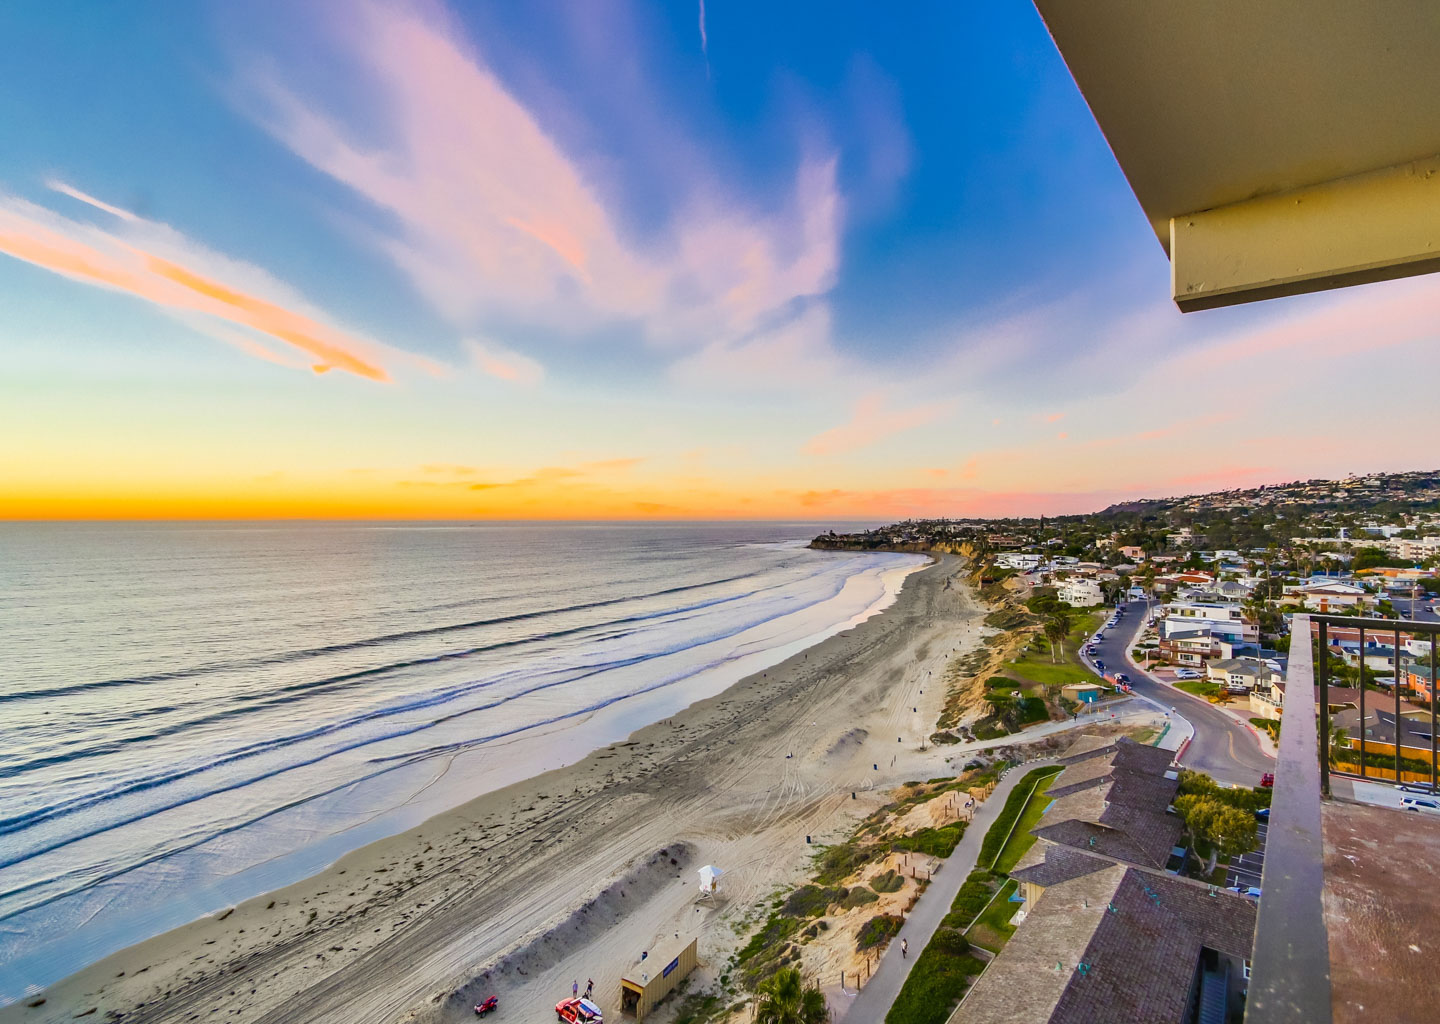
572 875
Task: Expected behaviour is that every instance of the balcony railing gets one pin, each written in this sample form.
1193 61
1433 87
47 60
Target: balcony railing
1292 967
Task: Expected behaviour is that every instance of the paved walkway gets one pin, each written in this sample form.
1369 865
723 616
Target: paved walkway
871 1005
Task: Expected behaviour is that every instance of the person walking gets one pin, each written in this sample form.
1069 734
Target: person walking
904 948
589 987
575 989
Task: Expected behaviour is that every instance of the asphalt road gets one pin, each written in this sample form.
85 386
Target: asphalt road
1222 748
1420 611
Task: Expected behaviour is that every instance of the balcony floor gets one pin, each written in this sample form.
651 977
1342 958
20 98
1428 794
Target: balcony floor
1382 912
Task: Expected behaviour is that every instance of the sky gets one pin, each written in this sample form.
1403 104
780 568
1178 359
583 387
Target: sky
623 260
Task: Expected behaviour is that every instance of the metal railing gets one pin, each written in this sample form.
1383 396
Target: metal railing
1393 629
1290 977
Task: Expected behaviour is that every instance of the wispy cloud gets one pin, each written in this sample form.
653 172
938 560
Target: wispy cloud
501 362
872 422
704 38
159 265
492 218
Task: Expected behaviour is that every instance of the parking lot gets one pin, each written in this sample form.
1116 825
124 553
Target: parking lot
1245 871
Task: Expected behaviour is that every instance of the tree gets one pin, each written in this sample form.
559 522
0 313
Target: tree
1057 628
783 998
1229 831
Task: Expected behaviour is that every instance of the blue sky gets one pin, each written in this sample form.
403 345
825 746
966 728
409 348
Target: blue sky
821 260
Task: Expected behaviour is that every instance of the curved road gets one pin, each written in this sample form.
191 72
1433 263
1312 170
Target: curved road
1222 748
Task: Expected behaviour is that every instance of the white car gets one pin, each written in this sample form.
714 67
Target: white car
1186 673
1421 803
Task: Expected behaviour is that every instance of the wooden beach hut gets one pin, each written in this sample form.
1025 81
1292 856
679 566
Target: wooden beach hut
641 992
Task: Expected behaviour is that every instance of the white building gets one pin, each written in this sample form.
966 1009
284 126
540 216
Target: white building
1331 596
1021 560
1079 592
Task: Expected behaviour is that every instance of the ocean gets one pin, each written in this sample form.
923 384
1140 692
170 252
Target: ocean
192 714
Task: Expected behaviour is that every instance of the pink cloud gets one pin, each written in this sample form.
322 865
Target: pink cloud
872 422
208 291
493 218
1054 417
503 363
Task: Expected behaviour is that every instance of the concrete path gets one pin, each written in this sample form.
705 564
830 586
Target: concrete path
871 1005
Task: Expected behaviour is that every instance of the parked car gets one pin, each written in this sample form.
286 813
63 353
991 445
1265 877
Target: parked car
1415 787
1100 665
1186 673
1263 814
1121 677
1421 803
1245 890
1267 780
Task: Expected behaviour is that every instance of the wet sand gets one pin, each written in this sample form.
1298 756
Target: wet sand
571 875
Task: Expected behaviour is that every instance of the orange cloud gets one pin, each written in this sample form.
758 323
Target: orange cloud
871 422
85 253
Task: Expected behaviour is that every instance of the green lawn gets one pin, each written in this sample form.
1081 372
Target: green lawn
1000 829
1043 671
993 928
1021 839
1199 688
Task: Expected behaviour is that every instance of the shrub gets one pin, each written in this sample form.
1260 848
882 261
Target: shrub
836 863
858 897
774 932
944 737
1001 683
889 881
937 842
811 901
969 901
876 930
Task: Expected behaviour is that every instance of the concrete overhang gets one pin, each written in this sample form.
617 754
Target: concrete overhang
1276 146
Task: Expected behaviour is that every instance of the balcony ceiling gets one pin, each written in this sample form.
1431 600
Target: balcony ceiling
1213 105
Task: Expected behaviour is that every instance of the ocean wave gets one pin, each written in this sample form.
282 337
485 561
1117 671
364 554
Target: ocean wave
569 674
284 657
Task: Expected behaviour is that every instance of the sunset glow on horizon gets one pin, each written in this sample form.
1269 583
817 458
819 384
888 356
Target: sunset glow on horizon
440 261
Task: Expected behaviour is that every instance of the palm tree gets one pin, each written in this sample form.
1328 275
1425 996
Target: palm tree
783 998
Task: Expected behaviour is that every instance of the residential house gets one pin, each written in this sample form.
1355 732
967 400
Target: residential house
1268 698
1331 596
1237 675
1021 560
1079 592
1132 552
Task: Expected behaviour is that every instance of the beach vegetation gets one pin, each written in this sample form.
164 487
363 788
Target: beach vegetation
858 897
784 998
888 881
944 737
937 842
836 863
877 930
699 1008
812 900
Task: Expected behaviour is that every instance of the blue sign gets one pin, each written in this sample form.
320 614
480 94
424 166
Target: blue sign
670 967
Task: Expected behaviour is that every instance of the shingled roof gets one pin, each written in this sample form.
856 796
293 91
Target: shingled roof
1118 944
1113 800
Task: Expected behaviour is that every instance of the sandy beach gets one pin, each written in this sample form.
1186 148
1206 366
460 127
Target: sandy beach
572 875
